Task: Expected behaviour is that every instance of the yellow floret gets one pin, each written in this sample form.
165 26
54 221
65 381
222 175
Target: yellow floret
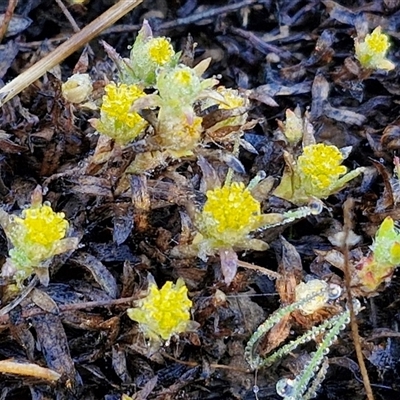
116 120
179 137
320 166
118 101
163 312
377 42
183 77
43 225
160 50
229 215
372 51
178 87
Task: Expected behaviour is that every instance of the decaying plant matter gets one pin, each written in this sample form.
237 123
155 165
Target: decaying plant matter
175 207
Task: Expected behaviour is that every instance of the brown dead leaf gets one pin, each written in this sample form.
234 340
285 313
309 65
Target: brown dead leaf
278 334
100 273
54 346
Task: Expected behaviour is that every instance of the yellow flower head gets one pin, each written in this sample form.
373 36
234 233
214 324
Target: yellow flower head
229 215
179 137
377 42
232 99
179 88
36 236
116 120
148 55
118 101
372 51
160 50
317 173
163 312
42 225
319 168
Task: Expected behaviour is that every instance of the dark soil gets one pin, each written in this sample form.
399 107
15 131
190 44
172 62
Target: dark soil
290 53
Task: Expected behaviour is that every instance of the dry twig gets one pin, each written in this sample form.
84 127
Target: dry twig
347 215
68 15
7 18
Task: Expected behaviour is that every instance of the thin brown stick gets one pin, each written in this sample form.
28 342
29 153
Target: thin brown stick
7 18
195 364
347 215
264 271
70 307
68 15
37 70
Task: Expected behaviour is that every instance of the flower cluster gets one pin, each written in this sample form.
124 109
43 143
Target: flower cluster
163 312
173 95
317 173
371 52
178 129
384 258
117 121
36 236
320 167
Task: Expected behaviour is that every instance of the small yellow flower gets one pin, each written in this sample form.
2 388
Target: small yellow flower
116 120
42 225
36 236
377 42
229 215
372 51
320 167
232 99
148 55
160 50
179 137
118 101
163 312
179 88
227 99
317 173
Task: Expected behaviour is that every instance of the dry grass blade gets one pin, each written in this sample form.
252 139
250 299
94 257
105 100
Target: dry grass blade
105 20
28 369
